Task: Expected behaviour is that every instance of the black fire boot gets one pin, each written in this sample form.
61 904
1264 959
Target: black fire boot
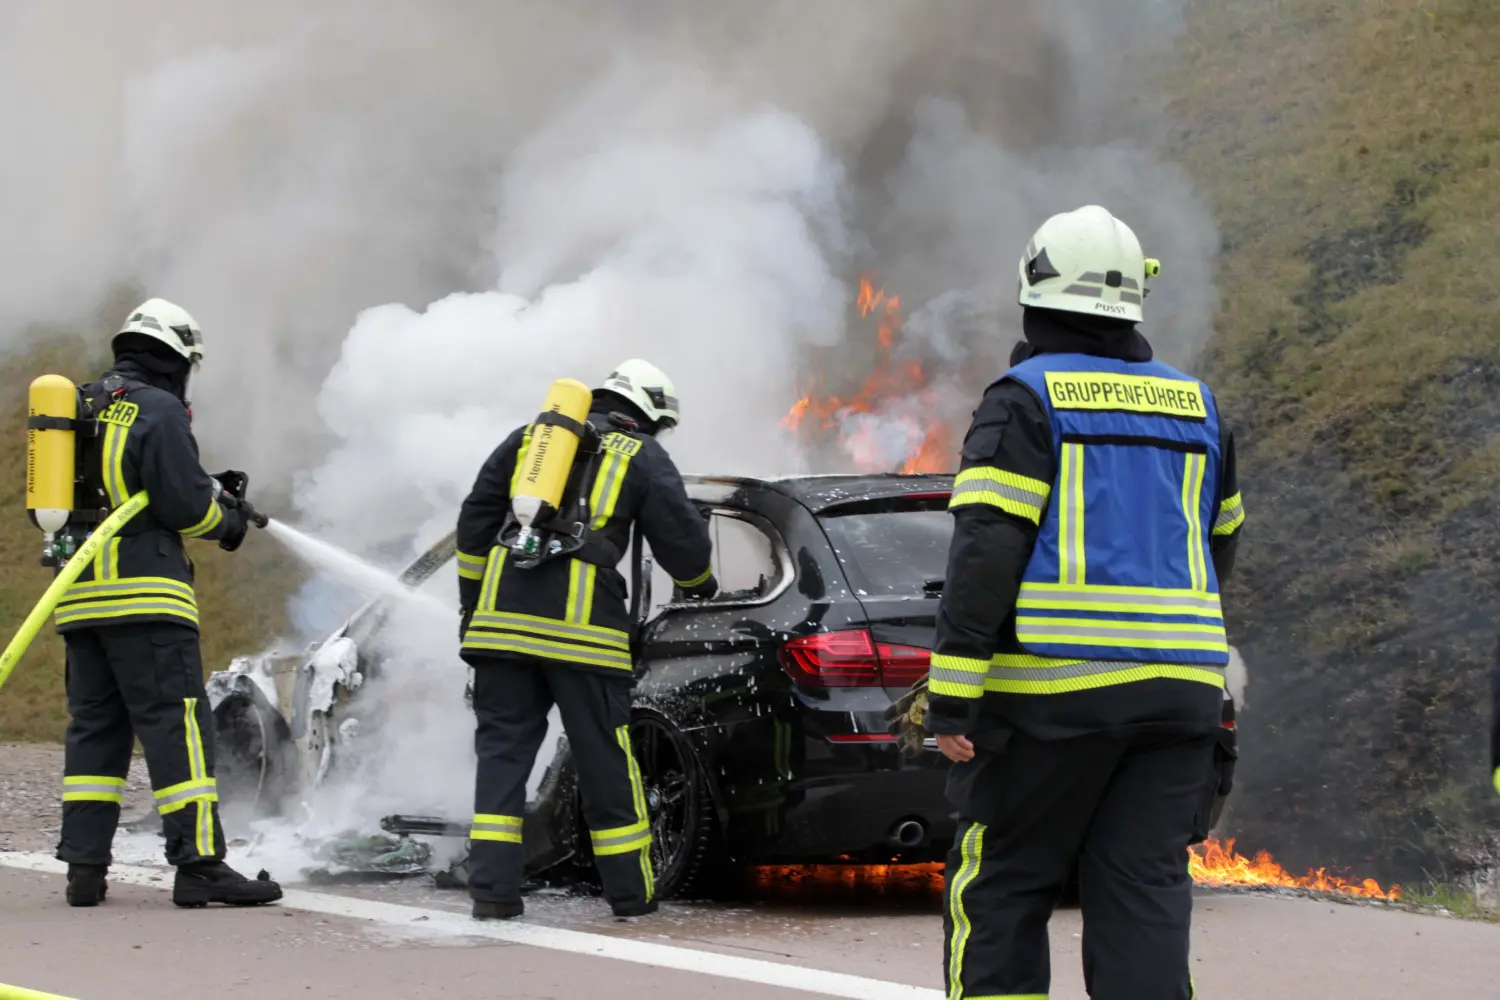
486 910
86 885
634 909
207 882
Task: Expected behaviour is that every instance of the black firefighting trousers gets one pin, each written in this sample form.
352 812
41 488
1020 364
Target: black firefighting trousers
512 697
1125 809
146 681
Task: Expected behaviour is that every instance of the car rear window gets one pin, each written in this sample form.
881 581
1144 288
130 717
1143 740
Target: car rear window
901 551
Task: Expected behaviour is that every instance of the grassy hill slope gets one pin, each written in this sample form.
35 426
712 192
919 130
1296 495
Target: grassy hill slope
1353 154
241 596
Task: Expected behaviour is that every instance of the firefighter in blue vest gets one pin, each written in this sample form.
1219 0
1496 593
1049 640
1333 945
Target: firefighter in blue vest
130 623
559 633
1078 674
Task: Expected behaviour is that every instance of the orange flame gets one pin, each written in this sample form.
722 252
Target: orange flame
1214 863
895 390
1218 864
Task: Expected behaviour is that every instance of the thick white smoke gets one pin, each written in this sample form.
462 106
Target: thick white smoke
703 247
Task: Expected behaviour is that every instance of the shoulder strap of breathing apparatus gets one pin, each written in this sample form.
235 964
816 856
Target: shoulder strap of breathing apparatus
92 504
567 533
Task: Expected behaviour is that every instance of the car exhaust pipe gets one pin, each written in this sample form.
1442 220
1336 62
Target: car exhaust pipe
908 833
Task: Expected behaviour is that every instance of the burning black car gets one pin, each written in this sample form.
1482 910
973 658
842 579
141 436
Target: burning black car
759 716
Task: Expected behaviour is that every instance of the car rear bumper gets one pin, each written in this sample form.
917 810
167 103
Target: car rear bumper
859 801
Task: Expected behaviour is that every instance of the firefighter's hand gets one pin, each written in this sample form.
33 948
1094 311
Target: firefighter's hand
956 748
233 482
905 719
235 527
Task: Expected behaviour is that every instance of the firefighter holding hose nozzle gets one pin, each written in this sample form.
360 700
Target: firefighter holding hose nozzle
1078 675
130 620
544 618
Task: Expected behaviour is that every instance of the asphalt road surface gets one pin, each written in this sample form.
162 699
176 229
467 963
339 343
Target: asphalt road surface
409 940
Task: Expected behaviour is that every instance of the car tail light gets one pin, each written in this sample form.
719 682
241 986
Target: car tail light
852 659
903 666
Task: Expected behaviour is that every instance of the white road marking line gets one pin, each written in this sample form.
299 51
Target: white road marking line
750 970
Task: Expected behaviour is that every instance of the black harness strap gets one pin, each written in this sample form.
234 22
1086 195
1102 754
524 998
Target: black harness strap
43 423
566 423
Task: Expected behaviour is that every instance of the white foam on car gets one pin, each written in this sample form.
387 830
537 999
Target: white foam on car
427 923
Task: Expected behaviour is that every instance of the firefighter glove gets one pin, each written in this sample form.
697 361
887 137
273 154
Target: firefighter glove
234 483
235 526
907 719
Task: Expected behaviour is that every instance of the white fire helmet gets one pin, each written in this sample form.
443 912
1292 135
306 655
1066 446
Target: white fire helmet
1086 261
648 387
170 324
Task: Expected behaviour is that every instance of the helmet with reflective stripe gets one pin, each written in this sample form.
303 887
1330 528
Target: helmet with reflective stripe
647 387
169 324
1085 261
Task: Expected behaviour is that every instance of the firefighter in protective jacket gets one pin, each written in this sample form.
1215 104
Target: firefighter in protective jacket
1077 680
559 633
130 622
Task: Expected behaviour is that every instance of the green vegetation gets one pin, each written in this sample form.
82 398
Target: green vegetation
1352 151
241 596
1454 900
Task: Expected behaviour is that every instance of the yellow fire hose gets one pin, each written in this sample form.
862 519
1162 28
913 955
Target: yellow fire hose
20 993
39 614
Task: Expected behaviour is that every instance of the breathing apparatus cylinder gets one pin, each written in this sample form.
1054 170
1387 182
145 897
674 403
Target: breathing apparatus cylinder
548 458
51 446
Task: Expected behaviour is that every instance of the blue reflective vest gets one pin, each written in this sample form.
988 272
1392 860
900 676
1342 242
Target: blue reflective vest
1121 570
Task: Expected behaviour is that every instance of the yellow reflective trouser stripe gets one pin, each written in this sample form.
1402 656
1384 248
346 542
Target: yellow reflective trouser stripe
505 621
642 816
581 579
1192 504
621 839
113 454
1072 565
492 826
199 788
971 848
93 788
608 482
1127 600
492 571
1231 515
470 567
176 797
548 649
956 676
1022 674
210 521
1019 495
696 581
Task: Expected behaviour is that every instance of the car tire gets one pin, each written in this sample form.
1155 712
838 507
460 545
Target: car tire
687 850
254 757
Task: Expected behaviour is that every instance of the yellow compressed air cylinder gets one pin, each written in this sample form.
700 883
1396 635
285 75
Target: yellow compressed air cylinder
50 452
549 455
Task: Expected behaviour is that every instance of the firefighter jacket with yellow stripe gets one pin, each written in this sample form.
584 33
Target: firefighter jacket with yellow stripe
573 610
1096 514
144 442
